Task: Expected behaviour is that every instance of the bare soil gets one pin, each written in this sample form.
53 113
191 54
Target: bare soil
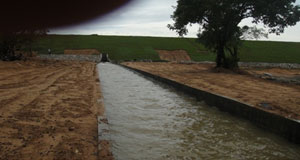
274 97
174 56
49 109
27 54
82 51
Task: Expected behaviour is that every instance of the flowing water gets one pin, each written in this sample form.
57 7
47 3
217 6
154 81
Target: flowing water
149 120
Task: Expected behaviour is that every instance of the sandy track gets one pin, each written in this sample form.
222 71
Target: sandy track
48 110
280 98
174 56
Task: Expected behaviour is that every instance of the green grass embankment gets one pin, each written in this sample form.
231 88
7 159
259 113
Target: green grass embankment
129 48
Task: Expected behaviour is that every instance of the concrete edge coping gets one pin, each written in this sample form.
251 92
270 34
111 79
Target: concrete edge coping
103 130
284 127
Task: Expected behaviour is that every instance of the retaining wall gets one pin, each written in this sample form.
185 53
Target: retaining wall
256 64
287 128
89 58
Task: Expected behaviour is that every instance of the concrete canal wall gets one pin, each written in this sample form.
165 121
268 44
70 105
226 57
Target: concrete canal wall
287 128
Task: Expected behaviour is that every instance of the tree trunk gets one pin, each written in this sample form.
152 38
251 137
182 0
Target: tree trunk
221 59
235 59
227 62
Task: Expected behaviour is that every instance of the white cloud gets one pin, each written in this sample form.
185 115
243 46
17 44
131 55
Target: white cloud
150 18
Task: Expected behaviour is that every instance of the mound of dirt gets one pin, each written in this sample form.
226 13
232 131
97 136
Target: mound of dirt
174 56
81 51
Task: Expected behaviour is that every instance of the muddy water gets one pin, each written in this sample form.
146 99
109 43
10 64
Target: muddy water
152 121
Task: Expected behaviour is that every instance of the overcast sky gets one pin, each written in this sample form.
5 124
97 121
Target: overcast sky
150 18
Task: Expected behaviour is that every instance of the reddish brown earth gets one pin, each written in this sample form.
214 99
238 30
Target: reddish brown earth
81 51
49 109
282 99
174 56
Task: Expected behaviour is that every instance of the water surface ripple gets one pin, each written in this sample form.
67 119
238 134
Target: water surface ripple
152 121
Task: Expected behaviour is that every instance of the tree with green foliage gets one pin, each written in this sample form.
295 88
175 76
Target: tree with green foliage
219 22
10 42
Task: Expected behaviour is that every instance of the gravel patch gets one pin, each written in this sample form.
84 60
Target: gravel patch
256 64
281 79
270 65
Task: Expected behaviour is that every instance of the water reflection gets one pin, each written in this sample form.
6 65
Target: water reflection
152 121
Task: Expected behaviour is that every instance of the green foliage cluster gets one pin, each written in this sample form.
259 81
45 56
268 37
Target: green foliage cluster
11 42
219 22
129 48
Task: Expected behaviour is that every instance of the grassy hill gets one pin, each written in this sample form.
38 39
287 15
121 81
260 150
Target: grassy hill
129 48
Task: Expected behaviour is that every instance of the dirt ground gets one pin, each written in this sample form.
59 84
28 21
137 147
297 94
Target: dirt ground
174 56
275 97
82 51
49 109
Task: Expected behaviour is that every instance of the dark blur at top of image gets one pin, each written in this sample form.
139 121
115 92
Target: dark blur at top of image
38 14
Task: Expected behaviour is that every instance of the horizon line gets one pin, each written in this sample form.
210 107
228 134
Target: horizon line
147 36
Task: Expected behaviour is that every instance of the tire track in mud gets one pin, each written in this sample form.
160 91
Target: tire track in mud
27 81
51 114
25 94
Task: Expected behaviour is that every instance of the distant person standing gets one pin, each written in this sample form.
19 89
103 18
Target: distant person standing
49 51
